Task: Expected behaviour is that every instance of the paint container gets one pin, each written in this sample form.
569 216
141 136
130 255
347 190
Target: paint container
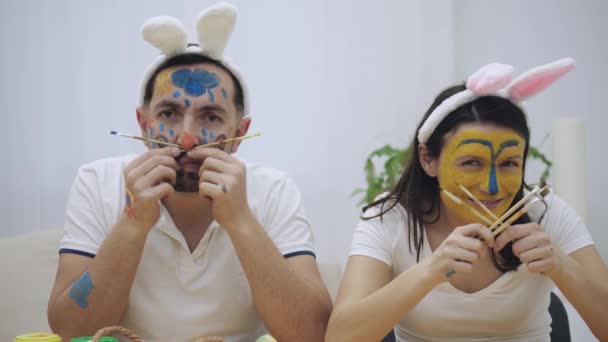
38 337
90 339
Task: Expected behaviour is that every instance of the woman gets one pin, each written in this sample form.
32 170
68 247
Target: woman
423 259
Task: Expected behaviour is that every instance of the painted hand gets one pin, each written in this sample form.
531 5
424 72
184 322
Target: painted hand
223 179
532 246
145 185
460 251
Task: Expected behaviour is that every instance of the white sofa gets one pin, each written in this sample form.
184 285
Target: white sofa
28 264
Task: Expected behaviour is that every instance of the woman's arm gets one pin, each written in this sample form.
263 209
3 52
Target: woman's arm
583 278
369 304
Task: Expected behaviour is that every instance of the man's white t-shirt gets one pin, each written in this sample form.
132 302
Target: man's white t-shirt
178 295
513 308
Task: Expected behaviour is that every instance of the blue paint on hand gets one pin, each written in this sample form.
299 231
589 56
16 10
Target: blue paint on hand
187 102
224 93
176 94
195 82
162 127
81 289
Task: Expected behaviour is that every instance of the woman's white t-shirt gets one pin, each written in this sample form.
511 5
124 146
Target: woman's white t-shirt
513 308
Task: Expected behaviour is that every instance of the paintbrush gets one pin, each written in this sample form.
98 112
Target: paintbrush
515 216
159 142
231 140
488 211
467 205
517 205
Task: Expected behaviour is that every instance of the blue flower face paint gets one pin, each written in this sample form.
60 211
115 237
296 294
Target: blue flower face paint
195 82
81 289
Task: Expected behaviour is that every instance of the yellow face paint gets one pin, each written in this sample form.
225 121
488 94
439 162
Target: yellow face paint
488 164
162 84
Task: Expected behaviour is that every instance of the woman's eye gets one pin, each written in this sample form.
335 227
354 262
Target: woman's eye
509 163
471 163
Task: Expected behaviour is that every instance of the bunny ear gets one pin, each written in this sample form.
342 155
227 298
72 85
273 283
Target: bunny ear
214 27
537 79
166 33
490 78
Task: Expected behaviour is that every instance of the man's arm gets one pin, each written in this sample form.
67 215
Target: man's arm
288 293
92 293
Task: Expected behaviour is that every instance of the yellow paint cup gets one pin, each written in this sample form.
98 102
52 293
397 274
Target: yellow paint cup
38 337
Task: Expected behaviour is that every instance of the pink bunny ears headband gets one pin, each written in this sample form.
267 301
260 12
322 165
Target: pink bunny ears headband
495 79
214 27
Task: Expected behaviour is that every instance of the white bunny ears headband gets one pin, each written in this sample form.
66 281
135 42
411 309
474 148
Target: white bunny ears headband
495 79
214 27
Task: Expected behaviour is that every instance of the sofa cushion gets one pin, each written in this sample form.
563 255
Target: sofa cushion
28 264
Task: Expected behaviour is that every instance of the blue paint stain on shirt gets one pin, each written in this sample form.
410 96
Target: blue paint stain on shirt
81 289
176 94
195 82
224 93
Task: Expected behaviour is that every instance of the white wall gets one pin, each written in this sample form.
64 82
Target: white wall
529 33
330 81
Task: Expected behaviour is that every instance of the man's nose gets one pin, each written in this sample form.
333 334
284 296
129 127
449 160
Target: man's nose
189 136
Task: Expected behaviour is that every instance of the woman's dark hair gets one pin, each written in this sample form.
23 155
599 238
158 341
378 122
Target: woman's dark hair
190 59
418 193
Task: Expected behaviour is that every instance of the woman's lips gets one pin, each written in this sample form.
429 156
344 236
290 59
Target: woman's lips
490 204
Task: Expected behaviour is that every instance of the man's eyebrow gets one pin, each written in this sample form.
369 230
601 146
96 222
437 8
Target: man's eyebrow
211 108
169 104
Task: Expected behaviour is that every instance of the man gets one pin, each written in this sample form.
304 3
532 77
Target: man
185 242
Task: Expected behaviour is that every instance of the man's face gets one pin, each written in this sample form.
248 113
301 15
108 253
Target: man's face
488 161
192 105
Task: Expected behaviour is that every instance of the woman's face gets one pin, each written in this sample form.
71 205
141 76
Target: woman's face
486 159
